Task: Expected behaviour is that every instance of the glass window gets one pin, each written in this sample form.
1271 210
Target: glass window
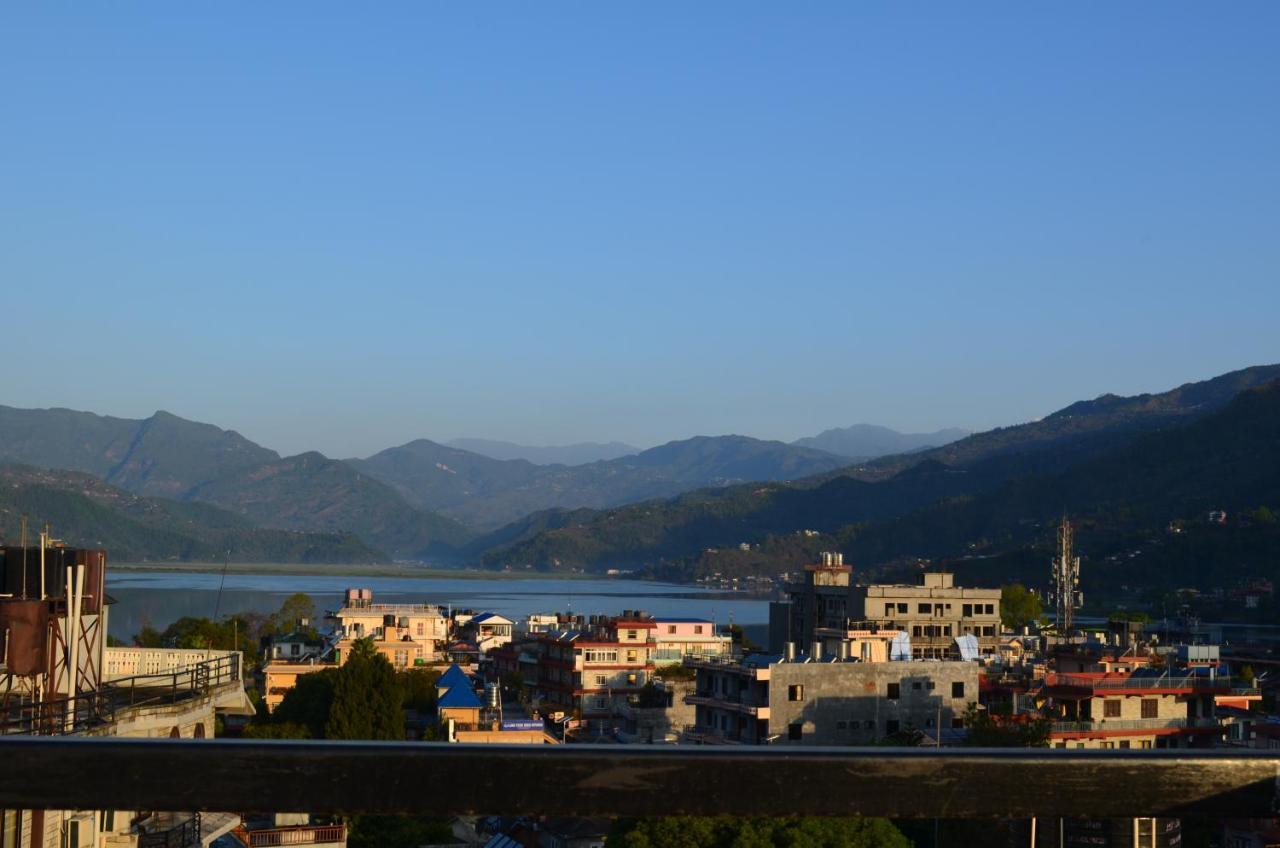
795 692
966 610
1111 709
1150 707
697 628
902 608
925 609
957 689
671 628
893 692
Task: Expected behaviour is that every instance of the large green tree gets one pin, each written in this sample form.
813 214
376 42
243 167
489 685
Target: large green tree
1019 606
367 698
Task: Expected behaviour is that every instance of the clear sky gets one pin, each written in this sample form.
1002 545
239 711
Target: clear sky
341 226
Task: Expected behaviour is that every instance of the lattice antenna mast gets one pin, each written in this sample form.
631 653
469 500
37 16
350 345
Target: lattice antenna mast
1066 579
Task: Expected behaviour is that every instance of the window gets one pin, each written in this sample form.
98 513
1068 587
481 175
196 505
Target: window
925 609
631 656
991 610
671 628
869 724
1107 745
957 689
795 692
902 608
71 834
888 609
107 822
599 679
946 630
1124 743
915 684
795 731
915 631
842 725
632 635
697 629
422 628
929 686
632 679
893 692
600 656
1150 707
957 723
967 610
1111 709
1060 744
1144 743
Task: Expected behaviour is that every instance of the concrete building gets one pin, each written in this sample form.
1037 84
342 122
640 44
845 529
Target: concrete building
488 630
677 638
1147 708
406 634
802 701
820 599
933 613
592 669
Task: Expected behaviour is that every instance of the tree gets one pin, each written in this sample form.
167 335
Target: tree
295 608
418 689
308 703
998 727
367 698
1019 606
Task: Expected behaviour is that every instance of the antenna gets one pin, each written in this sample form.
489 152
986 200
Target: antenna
1066 579
217 606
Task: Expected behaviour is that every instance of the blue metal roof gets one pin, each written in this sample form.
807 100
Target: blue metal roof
485 616
452 677
459 697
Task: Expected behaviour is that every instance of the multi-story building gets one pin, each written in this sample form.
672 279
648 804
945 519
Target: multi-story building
406 634
821 699
593 668
934 613
678 638
488 630
819 599
1146 708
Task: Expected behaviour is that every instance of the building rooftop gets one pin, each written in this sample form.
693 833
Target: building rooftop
453 676
459 697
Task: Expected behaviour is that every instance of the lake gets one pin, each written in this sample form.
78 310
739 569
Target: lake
158 597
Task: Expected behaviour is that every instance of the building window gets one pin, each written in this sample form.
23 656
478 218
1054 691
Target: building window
1107 745
842 725
697 629
1111 709
1144 743
107 823
957 723
957 689
925 609
893 692
1150 707
1124 743
869 724
795 692
915 631
888 610
915 684
631 656
991 610
671 628
795 731
967 610
902 608
599 679
632 635
929 685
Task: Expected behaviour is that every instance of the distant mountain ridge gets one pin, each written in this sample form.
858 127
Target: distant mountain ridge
488 493
870 441
85 511
575 454
878 491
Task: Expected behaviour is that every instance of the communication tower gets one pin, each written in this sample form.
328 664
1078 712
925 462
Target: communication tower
1067 596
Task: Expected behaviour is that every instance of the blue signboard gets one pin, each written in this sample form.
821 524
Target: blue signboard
521 724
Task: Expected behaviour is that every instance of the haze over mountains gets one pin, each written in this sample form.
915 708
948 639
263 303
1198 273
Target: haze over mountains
576 454
167 488
868 441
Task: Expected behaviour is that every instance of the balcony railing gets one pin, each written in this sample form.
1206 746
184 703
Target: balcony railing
79 713
631 780
279 836
182 835
1134 724
1190 681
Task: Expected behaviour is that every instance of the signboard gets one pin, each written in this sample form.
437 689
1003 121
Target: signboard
522 724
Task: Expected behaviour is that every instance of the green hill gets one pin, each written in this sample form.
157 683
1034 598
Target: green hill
85 511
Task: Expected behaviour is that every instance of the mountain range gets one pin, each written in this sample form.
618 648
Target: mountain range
575 454
869 441
870 498
168 488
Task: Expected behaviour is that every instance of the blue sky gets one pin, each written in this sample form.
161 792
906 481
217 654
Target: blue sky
340 226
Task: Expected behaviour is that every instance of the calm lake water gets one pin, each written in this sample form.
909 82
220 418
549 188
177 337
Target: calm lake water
160 597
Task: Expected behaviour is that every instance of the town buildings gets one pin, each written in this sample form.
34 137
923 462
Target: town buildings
406 634
933 613
677 638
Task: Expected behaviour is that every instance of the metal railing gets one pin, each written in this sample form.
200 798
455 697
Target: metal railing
1133 724
435 779
181 835
78 713
304 835
1189 681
